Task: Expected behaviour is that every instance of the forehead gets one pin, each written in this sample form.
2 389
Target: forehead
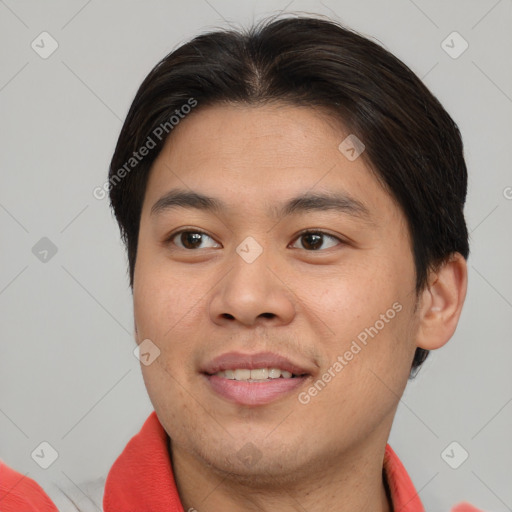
256 157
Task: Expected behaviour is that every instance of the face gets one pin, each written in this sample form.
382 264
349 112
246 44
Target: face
305 265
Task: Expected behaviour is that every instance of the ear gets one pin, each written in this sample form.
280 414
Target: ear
441 303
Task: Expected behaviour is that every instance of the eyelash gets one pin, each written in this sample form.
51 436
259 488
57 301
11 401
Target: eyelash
170 238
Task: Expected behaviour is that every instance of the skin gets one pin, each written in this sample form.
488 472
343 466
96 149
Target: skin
309 305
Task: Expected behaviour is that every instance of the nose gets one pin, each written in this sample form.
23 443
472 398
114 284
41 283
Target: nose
253 293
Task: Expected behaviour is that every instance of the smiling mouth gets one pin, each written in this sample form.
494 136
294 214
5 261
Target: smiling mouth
257 375
239 387
253 379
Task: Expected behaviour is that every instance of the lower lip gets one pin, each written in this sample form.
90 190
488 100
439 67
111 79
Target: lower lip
253 393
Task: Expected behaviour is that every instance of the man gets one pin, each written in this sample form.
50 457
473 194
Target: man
291 200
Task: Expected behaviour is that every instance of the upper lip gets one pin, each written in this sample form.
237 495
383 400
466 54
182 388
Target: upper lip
234 360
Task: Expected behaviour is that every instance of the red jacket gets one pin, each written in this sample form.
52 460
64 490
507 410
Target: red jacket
141 479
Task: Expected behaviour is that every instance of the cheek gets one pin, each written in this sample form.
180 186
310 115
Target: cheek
169 310
167 391
352 299
368 347
166 316
163 300
361 382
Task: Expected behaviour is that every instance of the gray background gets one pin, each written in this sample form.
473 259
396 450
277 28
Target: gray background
67 372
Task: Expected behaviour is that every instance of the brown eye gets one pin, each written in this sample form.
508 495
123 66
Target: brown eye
190 239
314 240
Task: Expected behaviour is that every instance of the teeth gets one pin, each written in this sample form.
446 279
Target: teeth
260 374
242 374
257 374
274 373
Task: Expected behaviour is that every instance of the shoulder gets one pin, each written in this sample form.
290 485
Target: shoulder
19 493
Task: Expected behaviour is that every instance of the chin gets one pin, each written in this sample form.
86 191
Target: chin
255 461
265 472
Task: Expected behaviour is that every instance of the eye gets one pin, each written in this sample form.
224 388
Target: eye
313 240
189 239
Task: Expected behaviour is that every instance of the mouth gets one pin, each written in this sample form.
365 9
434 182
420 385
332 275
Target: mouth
257 375
253 379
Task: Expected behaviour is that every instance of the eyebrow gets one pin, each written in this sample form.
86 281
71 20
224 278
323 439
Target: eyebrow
306 202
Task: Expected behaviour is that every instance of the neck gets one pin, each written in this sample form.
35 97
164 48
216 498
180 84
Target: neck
351 481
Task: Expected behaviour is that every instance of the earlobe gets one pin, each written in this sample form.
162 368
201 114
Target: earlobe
441 303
